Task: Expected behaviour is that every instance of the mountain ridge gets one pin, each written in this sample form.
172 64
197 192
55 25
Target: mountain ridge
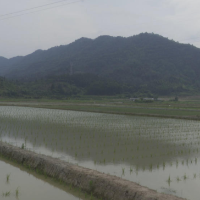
146 61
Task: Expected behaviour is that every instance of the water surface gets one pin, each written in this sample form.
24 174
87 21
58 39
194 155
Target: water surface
162 154
15 183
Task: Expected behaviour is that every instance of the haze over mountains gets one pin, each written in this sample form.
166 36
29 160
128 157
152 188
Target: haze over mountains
145 62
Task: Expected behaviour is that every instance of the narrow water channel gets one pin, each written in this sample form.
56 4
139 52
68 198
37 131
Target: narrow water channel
18 183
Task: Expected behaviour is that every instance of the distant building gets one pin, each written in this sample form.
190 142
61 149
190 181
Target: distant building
145 99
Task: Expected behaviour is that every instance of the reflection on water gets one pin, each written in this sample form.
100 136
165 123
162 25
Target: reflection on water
162 154
16 184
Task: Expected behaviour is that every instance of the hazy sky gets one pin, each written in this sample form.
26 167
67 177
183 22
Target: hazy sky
176 19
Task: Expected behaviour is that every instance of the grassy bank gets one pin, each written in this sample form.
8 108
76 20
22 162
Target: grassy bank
183 109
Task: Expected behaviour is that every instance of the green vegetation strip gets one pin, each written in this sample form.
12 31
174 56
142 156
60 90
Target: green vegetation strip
154 110
168 113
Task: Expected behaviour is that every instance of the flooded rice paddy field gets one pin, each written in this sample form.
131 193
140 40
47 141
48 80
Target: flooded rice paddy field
162 154
16 184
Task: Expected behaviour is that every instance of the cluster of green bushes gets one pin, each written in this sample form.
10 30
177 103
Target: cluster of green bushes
65 86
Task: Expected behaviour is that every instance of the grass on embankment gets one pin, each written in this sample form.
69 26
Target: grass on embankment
170 109
131 110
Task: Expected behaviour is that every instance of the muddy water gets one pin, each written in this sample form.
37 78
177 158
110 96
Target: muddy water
162 154
18 184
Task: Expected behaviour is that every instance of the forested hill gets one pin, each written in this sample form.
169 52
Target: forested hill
6 64
148 62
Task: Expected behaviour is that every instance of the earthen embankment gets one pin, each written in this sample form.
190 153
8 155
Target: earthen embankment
101 185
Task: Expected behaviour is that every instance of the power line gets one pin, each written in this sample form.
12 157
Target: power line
46 5
40 10
32 8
